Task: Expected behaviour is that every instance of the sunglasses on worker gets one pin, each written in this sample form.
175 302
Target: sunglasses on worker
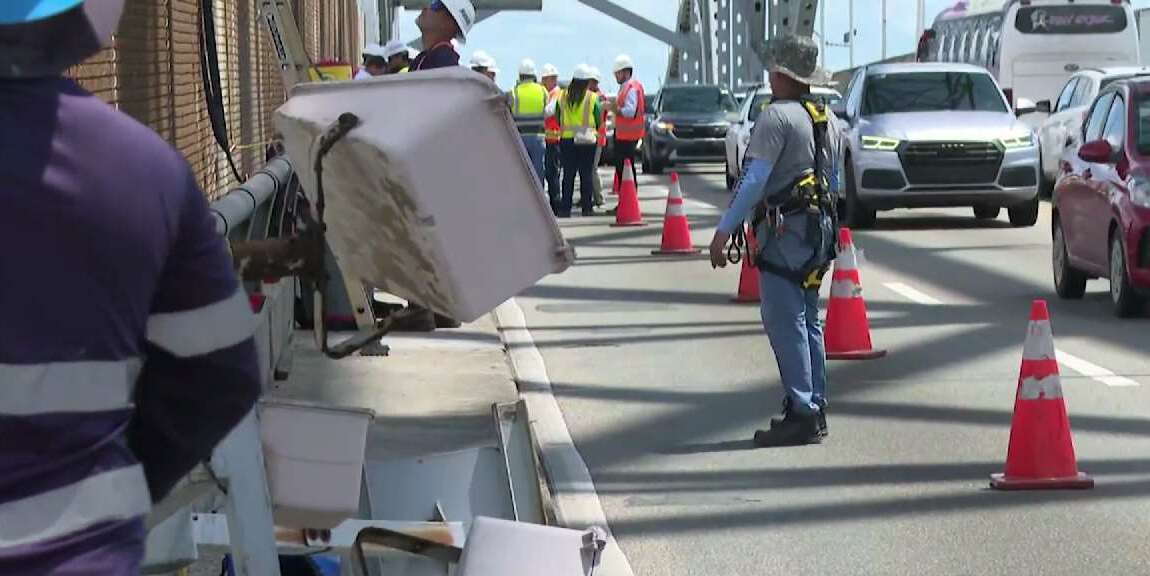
437 6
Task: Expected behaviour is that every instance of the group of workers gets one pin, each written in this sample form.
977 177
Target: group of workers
564 130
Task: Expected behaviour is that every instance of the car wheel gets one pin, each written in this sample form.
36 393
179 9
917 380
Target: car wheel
655 168
1127 302
857 214
1069 282
1024 215
987 212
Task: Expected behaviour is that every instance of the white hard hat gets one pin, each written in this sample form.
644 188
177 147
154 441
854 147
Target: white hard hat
549 70
582 72
527 67
98 17
623 62
595 75
479 59
464 14
394 48
375 50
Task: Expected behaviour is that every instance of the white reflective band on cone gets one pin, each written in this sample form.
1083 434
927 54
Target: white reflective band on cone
1047 388
675 209
204 330
64 387
1039 341
845 289
848 260
116 495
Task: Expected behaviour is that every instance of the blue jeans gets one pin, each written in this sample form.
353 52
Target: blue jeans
578 160
536 148
791 319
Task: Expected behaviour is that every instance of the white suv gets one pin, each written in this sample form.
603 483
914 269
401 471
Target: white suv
740 133
1059 130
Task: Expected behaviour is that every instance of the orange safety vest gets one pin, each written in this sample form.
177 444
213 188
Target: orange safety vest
630 129
602 120
551 129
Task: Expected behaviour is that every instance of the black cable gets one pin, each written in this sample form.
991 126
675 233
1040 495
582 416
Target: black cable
213 86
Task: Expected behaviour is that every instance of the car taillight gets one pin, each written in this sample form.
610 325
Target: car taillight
1009 93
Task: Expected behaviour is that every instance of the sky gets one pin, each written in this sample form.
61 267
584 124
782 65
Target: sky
567 33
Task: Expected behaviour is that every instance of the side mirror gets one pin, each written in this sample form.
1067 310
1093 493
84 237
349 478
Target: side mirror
1024 106
1097 152
1044 107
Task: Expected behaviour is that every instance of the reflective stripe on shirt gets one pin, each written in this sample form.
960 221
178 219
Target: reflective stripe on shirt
204 330
119 494
66 387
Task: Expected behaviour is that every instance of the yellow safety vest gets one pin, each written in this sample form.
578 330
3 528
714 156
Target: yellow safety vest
528 102
578 120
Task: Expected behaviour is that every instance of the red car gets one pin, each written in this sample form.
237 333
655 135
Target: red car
1102 201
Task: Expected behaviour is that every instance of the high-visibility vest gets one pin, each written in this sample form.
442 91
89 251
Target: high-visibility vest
528 101
602 120
552 131
630 129
577 120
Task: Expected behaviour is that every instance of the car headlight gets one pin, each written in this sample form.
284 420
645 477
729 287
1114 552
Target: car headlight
664 126
1019 141
880 143
1140 192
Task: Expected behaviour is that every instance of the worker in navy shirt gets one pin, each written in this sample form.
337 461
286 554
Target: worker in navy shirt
126 340
440 23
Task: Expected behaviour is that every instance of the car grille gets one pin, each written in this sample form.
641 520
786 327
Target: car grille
688 132
883 180
951 163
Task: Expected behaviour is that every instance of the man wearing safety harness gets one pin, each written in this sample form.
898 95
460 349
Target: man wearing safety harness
788 188
126 350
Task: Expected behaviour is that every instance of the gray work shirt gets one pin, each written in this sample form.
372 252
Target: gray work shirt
784 136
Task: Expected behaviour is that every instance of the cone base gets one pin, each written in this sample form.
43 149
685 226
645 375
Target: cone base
1079 482
857 355
628 224
678 252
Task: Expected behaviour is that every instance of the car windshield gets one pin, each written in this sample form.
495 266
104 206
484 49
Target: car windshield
931 92
701 100
1144 125
761 100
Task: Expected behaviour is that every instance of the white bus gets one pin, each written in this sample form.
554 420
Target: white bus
1033 46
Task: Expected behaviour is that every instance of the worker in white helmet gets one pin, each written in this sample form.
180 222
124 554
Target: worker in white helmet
551 133
398 57
578 112
528 102
440 23
374 62
629 110
483 63
593 85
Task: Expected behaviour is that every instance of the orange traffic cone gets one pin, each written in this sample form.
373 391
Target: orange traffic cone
749 275
847 334
676 231
1041 452
628 213
615 184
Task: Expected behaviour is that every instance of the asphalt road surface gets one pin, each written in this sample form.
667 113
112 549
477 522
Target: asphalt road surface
663 380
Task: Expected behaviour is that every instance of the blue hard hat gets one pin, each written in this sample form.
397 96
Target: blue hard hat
23 11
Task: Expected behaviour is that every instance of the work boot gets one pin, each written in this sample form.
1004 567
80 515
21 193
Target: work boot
821 417
797 429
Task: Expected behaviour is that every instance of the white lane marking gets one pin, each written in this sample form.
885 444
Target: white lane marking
1094 371
1065 359
576 502
913 294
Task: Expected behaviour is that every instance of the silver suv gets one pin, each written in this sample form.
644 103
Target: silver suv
934 135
